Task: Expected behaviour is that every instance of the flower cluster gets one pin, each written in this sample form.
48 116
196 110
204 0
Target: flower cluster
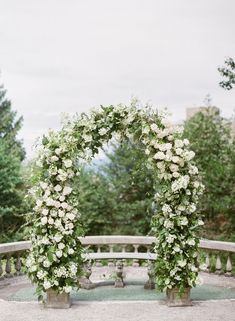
55 260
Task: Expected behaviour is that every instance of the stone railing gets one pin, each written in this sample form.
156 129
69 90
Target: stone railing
115 248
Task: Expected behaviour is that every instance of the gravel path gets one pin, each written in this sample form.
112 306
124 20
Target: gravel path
119 311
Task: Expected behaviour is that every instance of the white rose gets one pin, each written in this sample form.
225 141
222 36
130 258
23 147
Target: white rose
50 221
61 213
46 263
46 285
191 242
59 253
186 142
62 198
179 151
103 131
43 185
147 151
179 143
175 159
176 174
154 128
174 168
45 212
54 158
67 289
39 203
61 246
64 205
53 213
58 151
70 251
182 263
57 188
67 163
67 190
44 220
188 155
58 238
70 216
159 155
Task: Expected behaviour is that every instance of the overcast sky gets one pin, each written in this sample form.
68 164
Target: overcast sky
71 55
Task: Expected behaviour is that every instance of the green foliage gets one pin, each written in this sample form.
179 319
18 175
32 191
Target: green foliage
12 205
210 137
116 197
228 72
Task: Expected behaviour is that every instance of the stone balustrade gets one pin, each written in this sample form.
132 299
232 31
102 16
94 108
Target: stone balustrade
216 255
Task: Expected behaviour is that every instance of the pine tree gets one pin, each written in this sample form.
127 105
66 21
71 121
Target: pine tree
11 155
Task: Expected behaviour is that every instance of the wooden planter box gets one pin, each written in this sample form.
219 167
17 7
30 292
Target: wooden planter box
58 300
174 299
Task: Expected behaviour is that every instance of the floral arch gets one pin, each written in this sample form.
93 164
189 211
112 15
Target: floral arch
55 259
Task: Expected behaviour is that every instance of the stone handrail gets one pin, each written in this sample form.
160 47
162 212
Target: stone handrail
12 253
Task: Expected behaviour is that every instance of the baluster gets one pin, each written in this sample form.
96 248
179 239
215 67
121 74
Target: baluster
148 251
85 282
207 263
8 267
218 265
110 261
150 284
1 270
119 275
18 265
98 262
135 261
229 266
124 261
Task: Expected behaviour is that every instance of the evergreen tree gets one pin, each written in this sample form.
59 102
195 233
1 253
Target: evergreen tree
11 185
116 196
210 136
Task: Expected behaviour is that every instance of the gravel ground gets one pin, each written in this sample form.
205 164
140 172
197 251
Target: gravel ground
119 311
209 310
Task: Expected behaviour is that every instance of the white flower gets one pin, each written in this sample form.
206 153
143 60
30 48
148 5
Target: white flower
61 246
193 170
168 224
53 213
179 151
39 203
67 289
87 138
70 251
45 211
41 274
54 158
176 248
59 253
46 285
154 128
200 222
186 142
43 185
103 131
174 168
182 263
50 221
159 155
64 205
67 163
170 238
61 213
57 188
62 198
166 208
44 220
145 130
147 151
179 143
46 263
58 151
70 216
188 155
191 242
67 190
175 159
58 238
184 221
192 208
